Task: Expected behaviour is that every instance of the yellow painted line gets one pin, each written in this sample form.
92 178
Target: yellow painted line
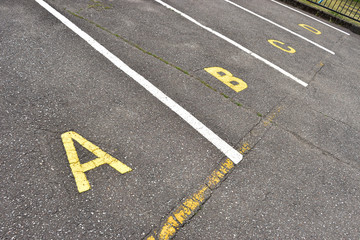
217 175
79 169
188 207
276 42
169 228
182 212
191 204
245 147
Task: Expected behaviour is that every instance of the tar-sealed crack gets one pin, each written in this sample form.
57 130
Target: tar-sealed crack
162 60
336 120
323 151
181 215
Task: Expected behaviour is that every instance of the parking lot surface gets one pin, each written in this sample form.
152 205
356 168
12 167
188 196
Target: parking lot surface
125 125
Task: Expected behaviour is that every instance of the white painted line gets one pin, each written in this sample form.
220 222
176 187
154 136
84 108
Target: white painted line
235 44
310 17
230 152
283 28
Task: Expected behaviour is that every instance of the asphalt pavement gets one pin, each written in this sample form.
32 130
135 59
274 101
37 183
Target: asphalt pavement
88 152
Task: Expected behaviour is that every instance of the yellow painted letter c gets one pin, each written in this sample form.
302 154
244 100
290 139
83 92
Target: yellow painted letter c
276 42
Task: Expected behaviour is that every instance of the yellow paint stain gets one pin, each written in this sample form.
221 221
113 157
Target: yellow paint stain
276 44
169 229
217 175
228 164
182 213
224 169
191 204
244 148
200 195
213 180
310 28
79 169
269 119
227 78
196 199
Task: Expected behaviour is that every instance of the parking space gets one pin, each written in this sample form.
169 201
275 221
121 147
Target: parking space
245 28
107 112
126 130
315 29
192 48
296 197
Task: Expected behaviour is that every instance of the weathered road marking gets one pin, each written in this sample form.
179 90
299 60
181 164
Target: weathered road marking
191 204
79 169
187 208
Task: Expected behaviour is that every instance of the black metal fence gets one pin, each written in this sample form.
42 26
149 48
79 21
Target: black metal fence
348 8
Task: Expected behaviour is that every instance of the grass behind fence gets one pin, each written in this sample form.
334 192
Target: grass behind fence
346 7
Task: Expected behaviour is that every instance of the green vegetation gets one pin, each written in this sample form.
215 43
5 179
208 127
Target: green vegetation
226 96
98 5
153 55
239 104
341 5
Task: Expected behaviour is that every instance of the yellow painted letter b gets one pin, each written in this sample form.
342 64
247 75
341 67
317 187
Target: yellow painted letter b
227 78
